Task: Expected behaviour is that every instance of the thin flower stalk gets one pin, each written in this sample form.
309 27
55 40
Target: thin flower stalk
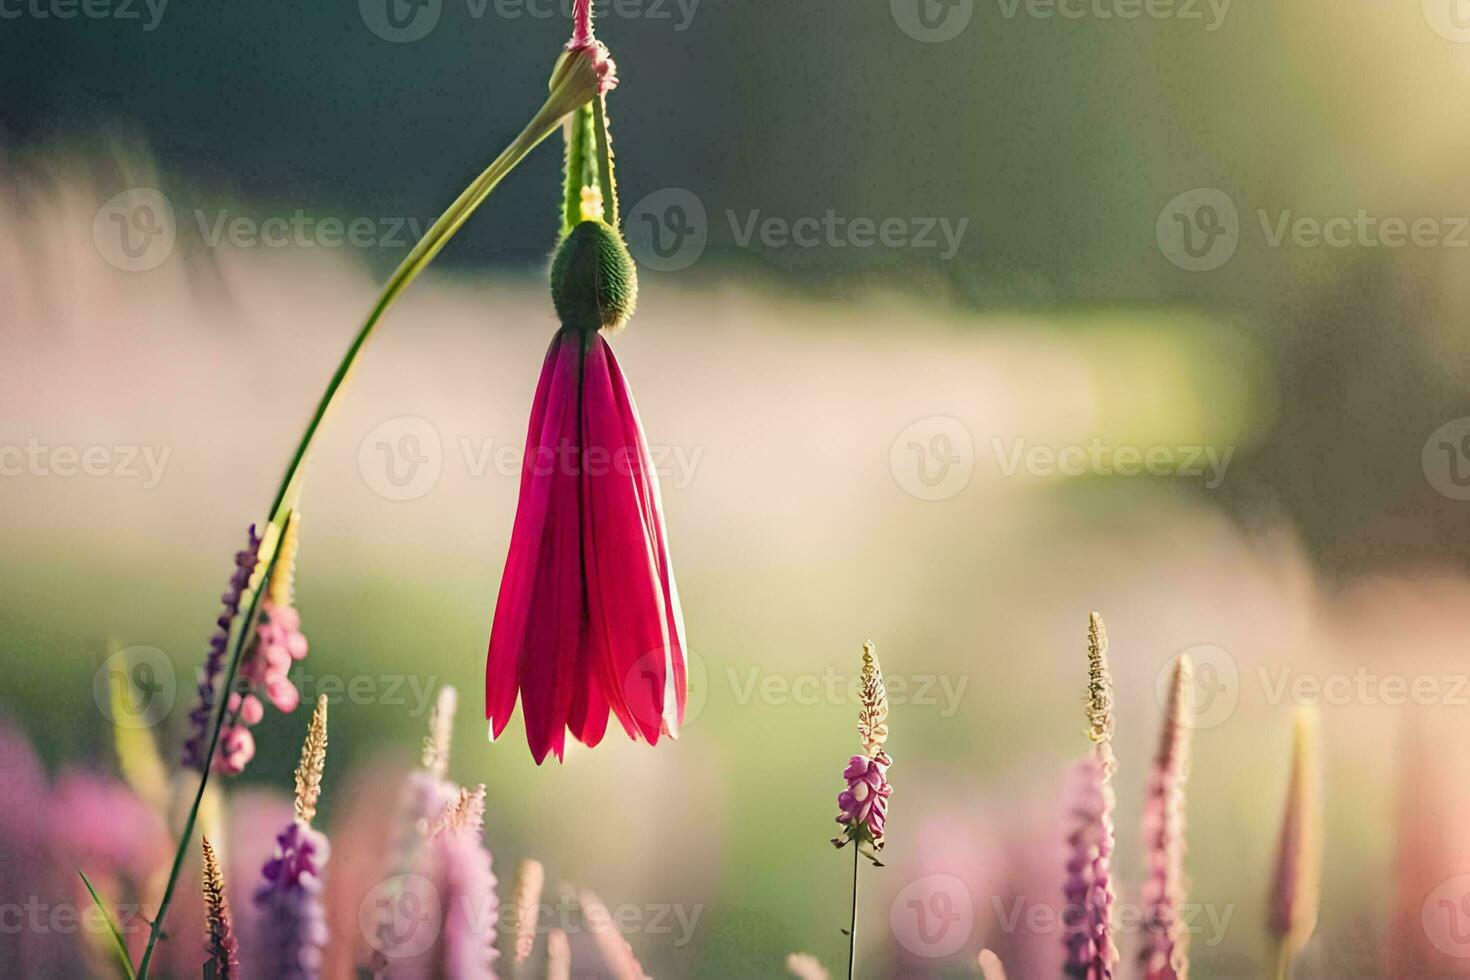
862 808
1164 953
579 76
1087 925
223 948
1296 882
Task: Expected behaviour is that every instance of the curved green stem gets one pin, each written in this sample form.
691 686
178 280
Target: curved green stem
573 84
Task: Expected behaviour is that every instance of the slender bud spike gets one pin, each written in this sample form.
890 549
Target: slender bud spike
1087 934
873 704
222 946
435 756
1099 683
313 762
1295 896
530 879
1164 952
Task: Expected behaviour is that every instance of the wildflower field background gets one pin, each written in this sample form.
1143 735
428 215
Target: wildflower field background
1262 461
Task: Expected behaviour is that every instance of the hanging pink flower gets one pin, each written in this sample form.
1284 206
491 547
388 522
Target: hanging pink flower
588 618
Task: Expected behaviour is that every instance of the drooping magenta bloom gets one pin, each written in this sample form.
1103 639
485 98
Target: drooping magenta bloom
588 619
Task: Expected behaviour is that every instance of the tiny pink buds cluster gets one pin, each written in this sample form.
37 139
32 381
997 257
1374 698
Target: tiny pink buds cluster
266 666
862 808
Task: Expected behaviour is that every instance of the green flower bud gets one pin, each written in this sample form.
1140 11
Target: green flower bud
594 284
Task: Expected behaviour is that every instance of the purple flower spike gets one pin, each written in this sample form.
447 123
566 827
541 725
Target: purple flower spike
290 901
214 663
1089 888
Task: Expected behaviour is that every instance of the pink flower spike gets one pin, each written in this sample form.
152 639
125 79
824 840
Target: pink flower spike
588 619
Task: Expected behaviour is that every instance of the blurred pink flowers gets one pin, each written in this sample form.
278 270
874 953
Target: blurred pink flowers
588 618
